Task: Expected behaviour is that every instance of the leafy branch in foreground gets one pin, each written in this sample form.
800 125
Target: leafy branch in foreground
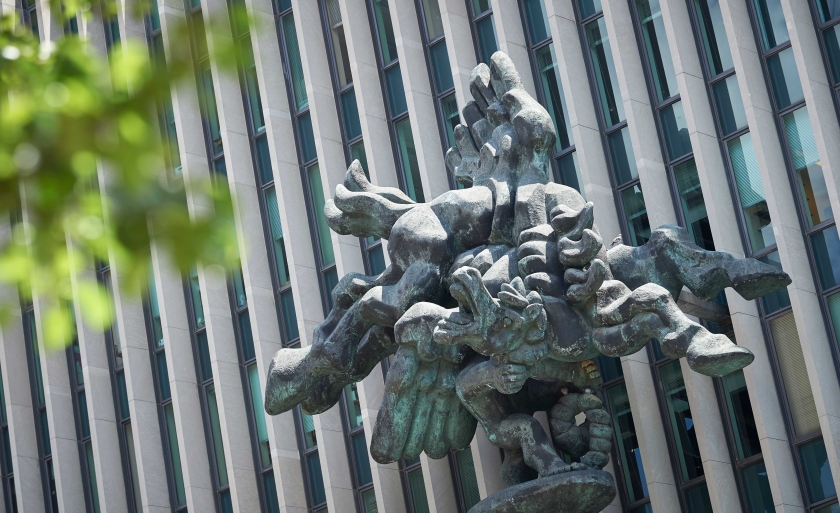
82 173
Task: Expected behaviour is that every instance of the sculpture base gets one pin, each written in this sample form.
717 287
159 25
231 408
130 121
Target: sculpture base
581 491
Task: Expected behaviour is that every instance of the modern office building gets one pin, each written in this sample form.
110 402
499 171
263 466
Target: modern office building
717 115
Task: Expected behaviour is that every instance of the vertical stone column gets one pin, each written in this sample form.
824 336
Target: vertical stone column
440 488
418 95
186 405
644 406
583 117
817 88
786 228
459 46
373 116
104 437
637 108
23 442
511 36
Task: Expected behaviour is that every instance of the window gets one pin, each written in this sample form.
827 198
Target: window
483 29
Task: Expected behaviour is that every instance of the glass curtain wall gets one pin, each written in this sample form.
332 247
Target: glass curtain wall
207 392
6 467
680 431
415 486
463 474
163 395
817 219
348 112
258 138
325 258
440 76
483 29
674 138
121 409
613 122
626 455
39 404
166 116
396 106
550 90
82 419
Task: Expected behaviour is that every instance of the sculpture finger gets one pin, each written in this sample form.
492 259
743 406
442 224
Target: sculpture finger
571 223
480 86
503 74
546 284
465 144
579 253
580 292
453 159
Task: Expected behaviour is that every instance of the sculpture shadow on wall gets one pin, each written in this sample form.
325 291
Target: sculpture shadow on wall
497 299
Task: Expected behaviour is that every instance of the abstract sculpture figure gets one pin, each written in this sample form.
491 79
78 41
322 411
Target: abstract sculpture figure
496 301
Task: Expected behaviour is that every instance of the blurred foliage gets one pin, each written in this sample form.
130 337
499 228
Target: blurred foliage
83 175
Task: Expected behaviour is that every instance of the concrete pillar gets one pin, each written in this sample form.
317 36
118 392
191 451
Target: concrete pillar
583 117
644 406
810 325
640 122
488 464
511 36
440 488
23 442
459 46
418 95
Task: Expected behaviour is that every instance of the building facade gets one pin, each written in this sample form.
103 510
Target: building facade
717 115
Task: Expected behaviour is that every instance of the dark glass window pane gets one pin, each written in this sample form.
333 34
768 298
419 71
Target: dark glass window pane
396 93
610 368
376 259
554 98
354 407
833 508
485 29
259 415
715 42
469 484
252 85
832 45
818 478
330 281
282 5
797 388
826 246
308 426
317 197
730 106
220 167
434 23
36 355
369 501
751 192
163 376
246 335
697 499
227 503
276 228
264 160
198 32
316 480
91 468
623 158
287 304
408 158
339 43
307 138
195 295
779 299
675 130
7 448
658 53
803 152
537 20
451 117
479 6
418 491
216 434
362 461
785 79
771 22
589 7
270 488
682 423
441 68
385 30
45 432
294 62
84 419
636 215
693 205
357 152
757 488
644 508
175 455
829 9
569 173
123 396
609 93
352 125
627 444
239 296
211 115
741 415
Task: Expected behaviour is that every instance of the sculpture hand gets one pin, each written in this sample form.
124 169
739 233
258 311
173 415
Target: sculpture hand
508 378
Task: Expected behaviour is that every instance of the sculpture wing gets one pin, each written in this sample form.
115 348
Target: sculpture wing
420 410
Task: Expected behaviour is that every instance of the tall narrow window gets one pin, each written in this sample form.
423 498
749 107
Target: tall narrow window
483 29
166 115
6 467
